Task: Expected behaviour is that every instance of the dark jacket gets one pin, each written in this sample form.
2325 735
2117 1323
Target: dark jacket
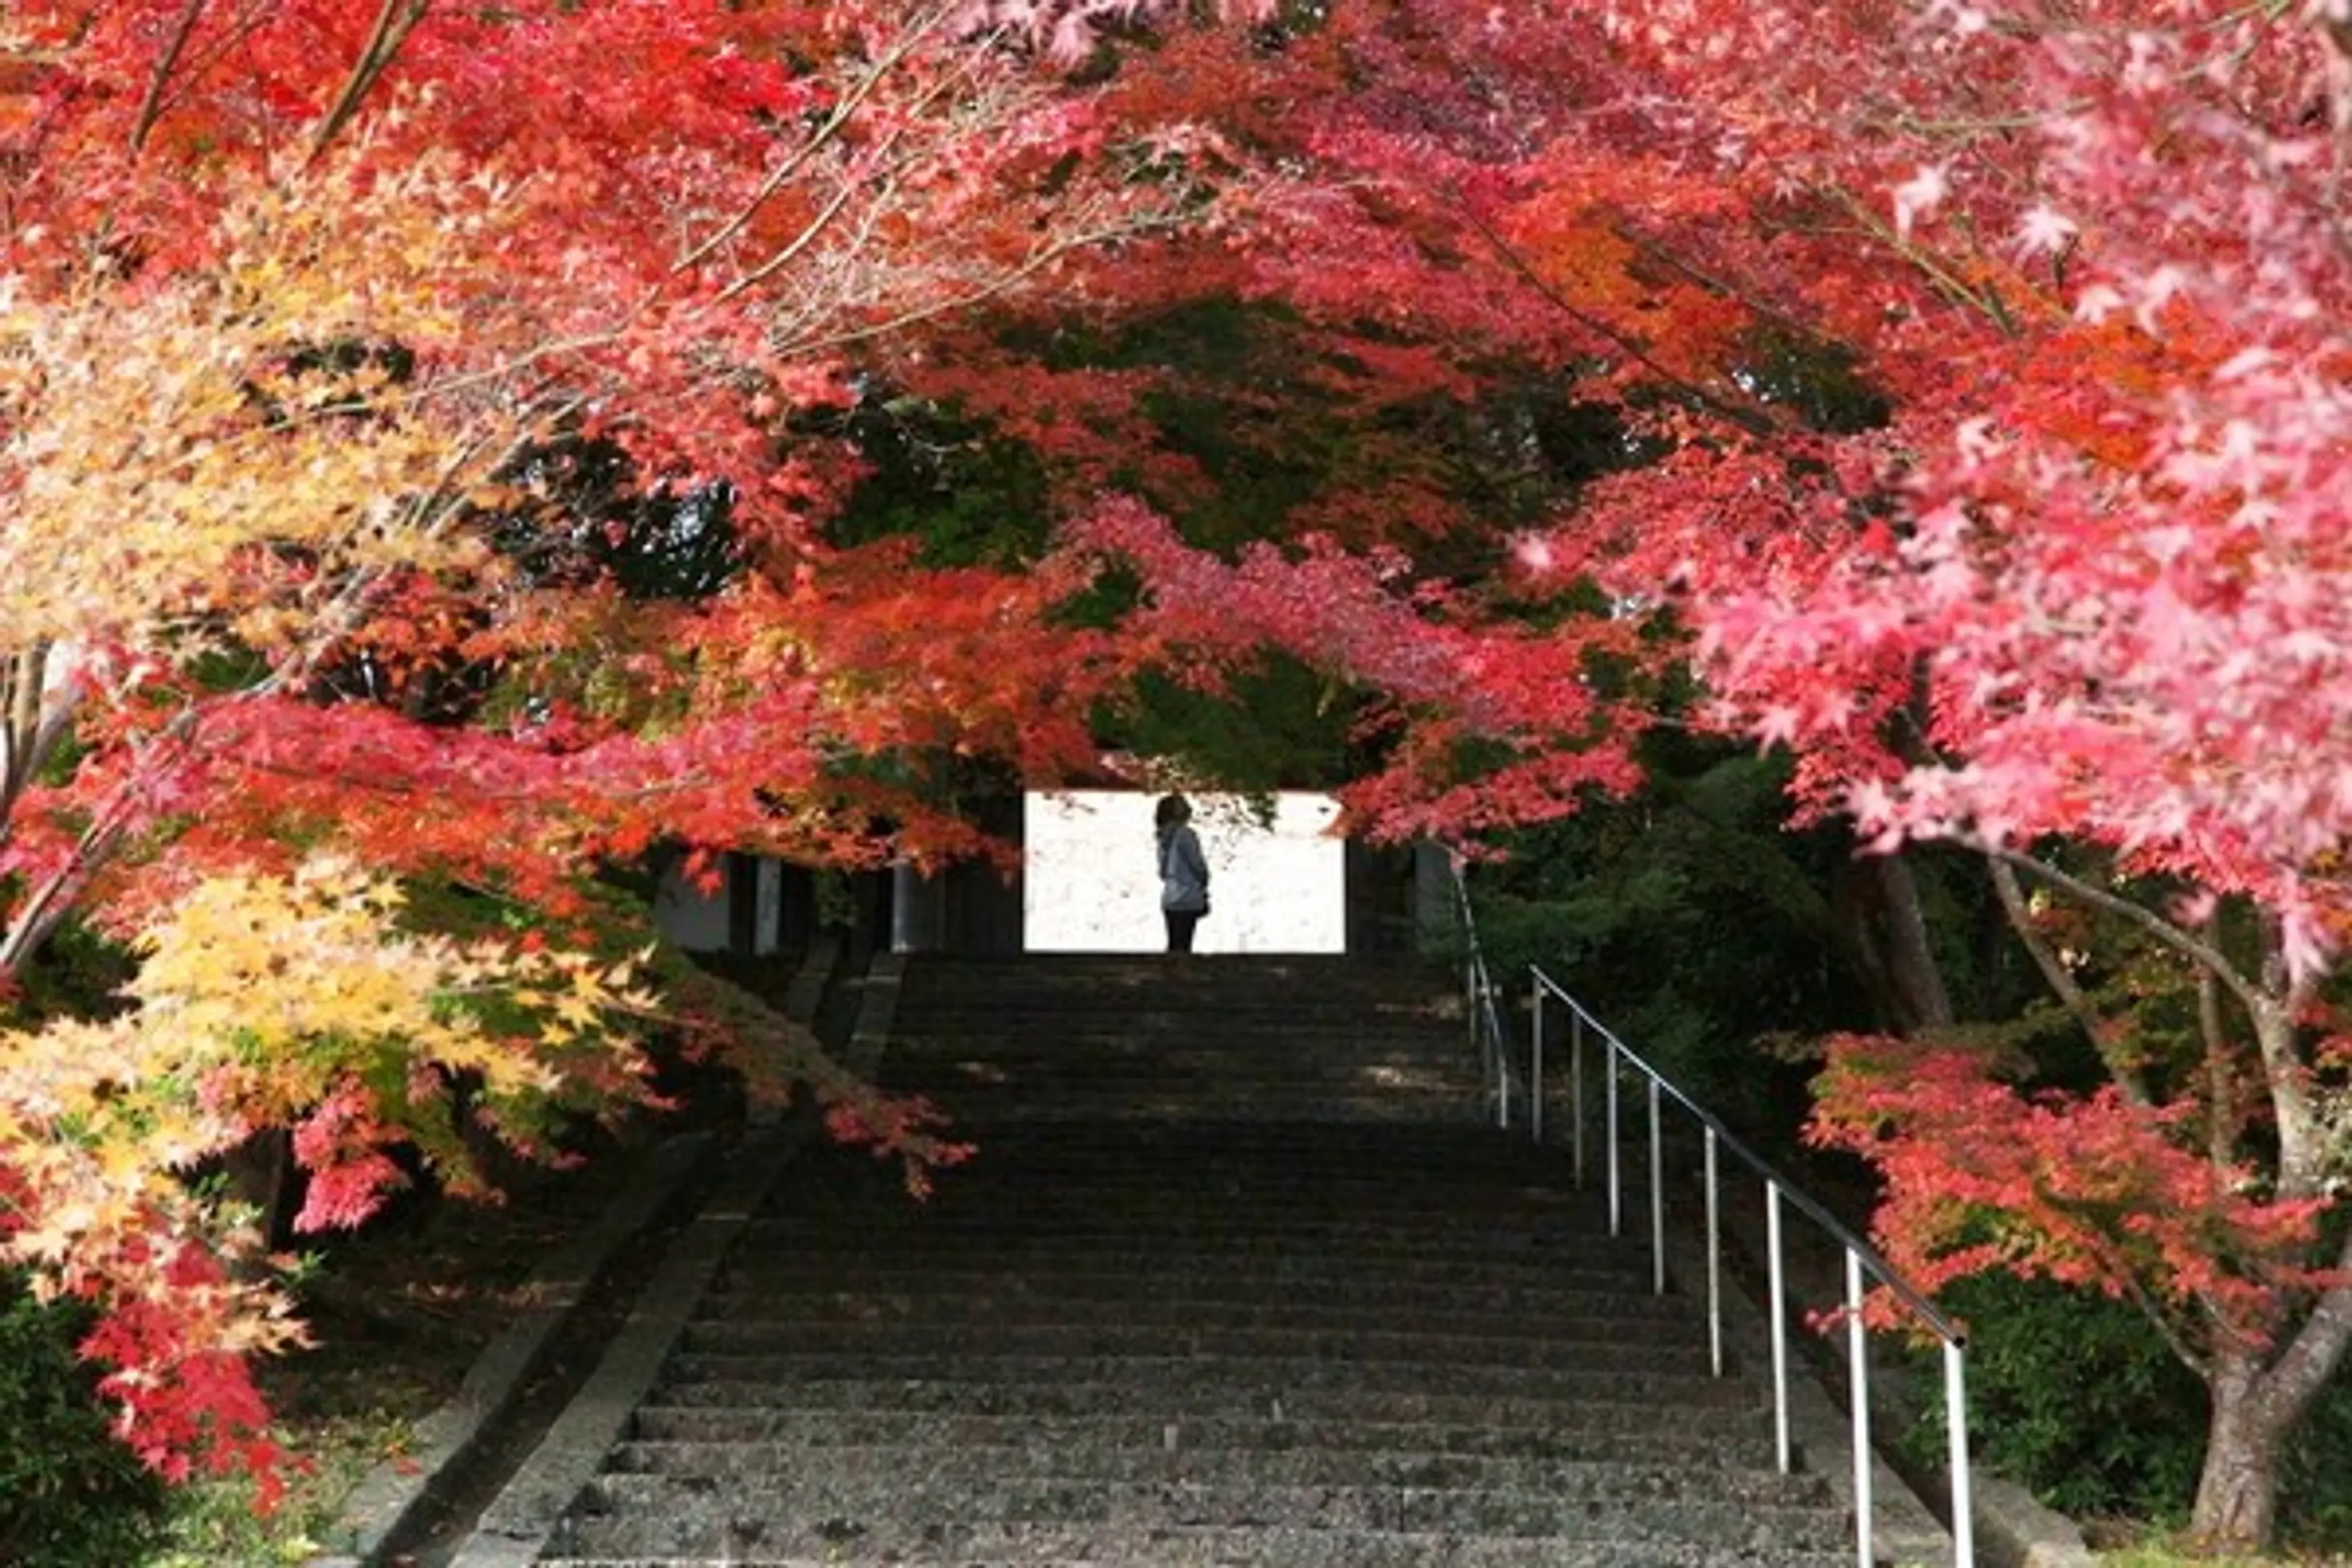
1183 871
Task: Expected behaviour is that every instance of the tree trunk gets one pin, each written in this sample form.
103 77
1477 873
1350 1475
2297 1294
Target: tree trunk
259 1173
1888 929
2237 1494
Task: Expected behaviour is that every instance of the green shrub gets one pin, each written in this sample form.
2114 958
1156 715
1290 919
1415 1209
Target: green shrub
70 1496
2076 1397
2314 1502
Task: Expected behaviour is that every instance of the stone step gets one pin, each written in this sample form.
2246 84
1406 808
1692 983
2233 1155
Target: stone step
980 1469
1513 1300
927 1009
1196 1218
1162 1267
1372 1184
1157 963
1554 1351
1310 1142
1079 1067
1211 1021
996 1185
1160 974
1279 1377
1242 1549
1593 1413
1646 1319
1273 1049
1736 1445
1199 999
1271 1041
1237 1275
1180 1102
966 1096
1226 1021
1240 1281
625 1514
1241 1227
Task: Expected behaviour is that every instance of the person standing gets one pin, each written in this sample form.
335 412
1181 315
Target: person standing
1183 871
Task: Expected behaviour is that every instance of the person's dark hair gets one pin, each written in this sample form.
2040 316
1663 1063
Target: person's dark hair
1172 811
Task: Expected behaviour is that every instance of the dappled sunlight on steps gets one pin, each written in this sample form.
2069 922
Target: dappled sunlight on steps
1123 1037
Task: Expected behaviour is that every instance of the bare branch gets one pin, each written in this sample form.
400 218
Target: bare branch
1983 301
818 140
393 23
792 249
1753 421
2256 1001
1036 262
151 104
2070 995
35 725
2221 1090
250 15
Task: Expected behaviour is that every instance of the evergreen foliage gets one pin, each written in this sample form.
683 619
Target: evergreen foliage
70 1496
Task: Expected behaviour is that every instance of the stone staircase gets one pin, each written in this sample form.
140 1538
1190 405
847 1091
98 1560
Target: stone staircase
1236 1277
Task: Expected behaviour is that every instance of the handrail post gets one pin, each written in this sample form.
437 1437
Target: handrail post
1535 1066
1616 1178
1863 1262
1955 1416
1857 1351
1777 1270
1499 1051
1713 1261
1479 1045
1576 1086
1657 1197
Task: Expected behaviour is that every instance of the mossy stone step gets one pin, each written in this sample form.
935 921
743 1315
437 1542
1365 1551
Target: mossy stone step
842 1316
1240 1549
1594 1413
640 1514
1732 1448
1603 1343
1688 1394
752 1284
985 1466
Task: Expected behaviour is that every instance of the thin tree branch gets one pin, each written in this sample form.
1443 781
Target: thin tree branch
1044 257
2070 995
823 136
35 727
250 14
2257 1003
393 23
1751 420
2302 1152
2221 1092
1984 302
37 917
151 104
1655 249
792 249
2174 1340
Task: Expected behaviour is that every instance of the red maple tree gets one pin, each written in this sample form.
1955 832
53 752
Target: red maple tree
313 312
2056 574
1976 367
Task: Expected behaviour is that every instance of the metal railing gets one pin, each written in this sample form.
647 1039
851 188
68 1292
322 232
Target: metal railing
1488 1039
1861 1258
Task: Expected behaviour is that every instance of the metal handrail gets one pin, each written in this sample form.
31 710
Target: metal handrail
1861 1258
1488 1039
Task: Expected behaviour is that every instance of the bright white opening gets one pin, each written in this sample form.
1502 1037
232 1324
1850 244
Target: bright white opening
1090 879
